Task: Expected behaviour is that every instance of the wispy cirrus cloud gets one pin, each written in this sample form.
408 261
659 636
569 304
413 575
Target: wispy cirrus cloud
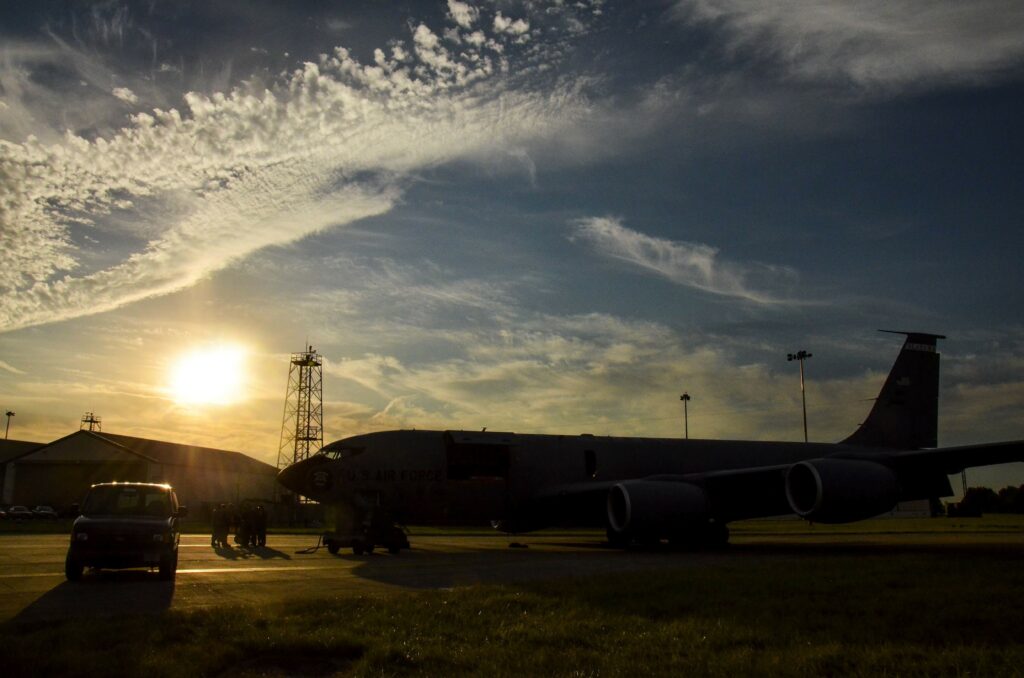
873 43
10 368
690 264
594 373
237 171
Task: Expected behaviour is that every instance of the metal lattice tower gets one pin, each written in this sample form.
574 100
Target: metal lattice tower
302 431
91 420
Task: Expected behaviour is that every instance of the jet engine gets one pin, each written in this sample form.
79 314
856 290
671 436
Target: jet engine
655 509
840 490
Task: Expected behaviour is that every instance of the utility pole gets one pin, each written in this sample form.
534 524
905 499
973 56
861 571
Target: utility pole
801 356
686 419
8 429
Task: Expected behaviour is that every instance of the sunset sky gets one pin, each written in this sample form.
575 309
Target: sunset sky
535 217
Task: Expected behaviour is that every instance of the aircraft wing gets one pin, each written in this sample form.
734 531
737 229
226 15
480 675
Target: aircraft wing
733 494
952 460
738 494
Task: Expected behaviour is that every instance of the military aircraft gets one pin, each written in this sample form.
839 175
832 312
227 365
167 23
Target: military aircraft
643 489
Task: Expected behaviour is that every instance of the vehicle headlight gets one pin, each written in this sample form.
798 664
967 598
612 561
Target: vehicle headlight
82 536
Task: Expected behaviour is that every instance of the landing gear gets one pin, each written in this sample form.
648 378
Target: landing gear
710 537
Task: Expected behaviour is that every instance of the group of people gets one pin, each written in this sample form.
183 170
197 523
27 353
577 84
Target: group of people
249 525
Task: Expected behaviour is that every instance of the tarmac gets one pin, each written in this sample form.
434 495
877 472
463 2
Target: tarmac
33 587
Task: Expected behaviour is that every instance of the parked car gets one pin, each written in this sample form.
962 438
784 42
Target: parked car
46 512
19 513
126 525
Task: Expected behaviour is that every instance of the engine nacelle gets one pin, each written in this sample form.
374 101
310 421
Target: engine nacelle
655 509
840 490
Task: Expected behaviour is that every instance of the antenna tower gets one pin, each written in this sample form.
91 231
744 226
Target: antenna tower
302 431
92 421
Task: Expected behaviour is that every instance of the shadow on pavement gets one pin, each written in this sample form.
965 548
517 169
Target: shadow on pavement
106 593
429 568
247 553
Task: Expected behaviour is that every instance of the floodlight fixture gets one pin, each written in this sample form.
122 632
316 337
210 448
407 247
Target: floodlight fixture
686 419
801 356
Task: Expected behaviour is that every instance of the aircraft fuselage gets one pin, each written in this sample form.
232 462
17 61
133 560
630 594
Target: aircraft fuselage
478 478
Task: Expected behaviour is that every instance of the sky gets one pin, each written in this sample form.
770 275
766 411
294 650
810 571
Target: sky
533 217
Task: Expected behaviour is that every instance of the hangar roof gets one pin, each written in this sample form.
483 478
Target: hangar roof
157 451
9 449
188 455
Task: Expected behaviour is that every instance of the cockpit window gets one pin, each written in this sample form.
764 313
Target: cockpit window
337 453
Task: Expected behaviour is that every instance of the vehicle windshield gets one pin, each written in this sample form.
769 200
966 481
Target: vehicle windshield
127 501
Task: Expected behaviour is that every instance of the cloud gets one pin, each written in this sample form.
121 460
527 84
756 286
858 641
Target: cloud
10 368
689 264
594 373
125 95
234 172
873 43
503 24
464 14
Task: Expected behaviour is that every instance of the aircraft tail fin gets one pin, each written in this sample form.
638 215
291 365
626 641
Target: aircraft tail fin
906 413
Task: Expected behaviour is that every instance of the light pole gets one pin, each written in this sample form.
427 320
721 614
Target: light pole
801 356
8 429
686 419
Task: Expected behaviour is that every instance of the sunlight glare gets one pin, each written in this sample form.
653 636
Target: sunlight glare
209 376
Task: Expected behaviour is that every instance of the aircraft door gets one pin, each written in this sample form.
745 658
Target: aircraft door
478 469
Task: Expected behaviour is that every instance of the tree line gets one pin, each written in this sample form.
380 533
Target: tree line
979 500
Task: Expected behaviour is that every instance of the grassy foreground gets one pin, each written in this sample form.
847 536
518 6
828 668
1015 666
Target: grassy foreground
825 615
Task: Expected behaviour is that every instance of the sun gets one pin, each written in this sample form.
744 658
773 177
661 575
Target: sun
209 376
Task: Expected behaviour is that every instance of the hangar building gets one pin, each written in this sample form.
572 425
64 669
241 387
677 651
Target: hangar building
59 473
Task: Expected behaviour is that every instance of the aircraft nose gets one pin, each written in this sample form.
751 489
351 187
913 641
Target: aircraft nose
294 477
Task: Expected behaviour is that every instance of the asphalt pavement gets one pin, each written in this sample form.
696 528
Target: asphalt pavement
33 586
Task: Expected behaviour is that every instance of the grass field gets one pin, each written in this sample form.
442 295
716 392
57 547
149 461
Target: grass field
817 612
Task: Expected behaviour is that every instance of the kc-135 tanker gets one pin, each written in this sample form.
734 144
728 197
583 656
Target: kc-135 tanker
643 490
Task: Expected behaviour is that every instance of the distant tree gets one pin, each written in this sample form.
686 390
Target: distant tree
976 501
1011 500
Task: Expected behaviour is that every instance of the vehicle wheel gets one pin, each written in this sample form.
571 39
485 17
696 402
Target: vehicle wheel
333 547
168 566
73 569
